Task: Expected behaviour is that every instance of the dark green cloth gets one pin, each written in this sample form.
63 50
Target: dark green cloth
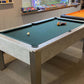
41 32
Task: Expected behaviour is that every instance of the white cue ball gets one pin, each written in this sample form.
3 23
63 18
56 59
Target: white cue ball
28 33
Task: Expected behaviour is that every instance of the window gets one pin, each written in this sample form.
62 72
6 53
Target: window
47 2
26 3
35 6
52 1
36 3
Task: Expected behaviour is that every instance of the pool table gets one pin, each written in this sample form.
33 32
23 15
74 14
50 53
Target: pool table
78 15
45 41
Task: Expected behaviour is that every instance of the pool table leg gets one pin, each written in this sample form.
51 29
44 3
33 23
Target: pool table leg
2 65
35 65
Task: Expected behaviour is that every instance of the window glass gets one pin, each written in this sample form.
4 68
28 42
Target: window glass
47 2
53 1
26 3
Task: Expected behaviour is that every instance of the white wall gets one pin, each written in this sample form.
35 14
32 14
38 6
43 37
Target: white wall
10 16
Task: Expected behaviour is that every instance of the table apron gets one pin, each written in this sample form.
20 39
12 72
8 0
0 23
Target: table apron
58 46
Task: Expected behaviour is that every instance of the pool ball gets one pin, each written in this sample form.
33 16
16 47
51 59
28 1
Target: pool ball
63 23
28 33
58 23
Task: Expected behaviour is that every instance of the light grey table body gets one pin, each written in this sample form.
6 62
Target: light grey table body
37 56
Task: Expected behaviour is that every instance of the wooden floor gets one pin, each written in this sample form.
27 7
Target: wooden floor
66 68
